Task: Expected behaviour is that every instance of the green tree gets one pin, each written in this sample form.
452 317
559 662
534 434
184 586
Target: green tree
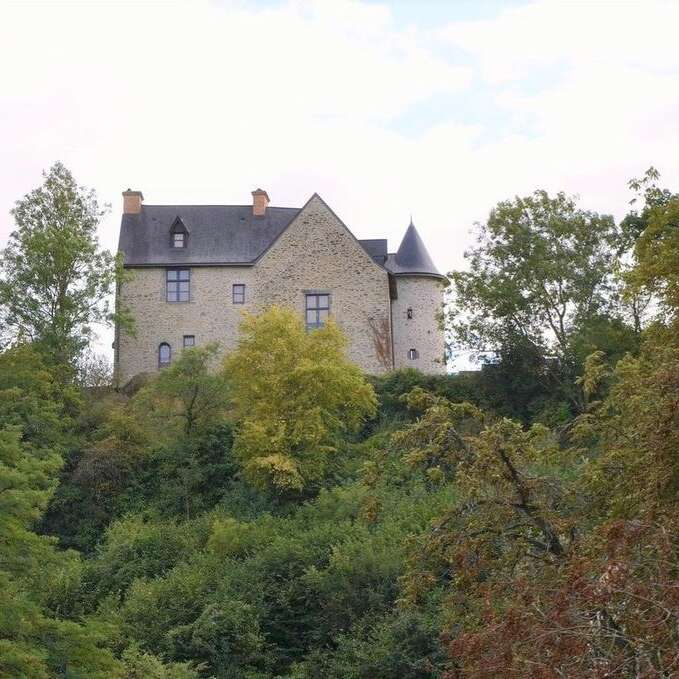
55 283
508 498
294 393
33 397
188 394
542 268
140 665
656 252
184 410
35 643
635 427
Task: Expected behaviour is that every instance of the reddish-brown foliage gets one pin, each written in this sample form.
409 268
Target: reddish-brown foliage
611 610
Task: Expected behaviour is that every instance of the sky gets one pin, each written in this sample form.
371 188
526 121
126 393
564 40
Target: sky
435 108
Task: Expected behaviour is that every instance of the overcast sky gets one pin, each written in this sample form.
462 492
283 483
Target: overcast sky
435 108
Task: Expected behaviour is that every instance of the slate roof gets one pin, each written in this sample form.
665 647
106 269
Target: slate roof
412 256
376 248
218 234
230 234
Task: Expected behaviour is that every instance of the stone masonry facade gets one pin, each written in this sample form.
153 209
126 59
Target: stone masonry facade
420 329
315 253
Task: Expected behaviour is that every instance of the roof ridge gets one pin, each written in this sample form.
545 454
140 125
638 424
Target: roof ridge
247 205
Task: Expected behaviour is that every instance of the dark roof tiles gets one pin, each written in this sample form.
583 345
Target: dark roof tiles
219 234
231 234
376 248
412 256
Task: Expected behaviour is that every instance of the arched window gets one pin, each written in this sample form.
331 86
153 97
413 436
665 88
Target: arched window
164 355
413 354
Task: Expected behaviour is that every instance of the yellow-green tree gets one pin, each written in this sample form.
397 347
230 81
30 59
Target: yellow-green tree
294 392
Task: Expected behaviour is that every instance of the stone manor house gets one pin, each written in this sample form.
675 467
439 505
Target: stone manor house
195 268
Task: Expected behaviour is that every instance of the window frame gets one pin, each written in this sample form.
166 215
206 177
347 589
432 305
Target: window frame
175 281
238 297
161 363
188 346
178 227
317 308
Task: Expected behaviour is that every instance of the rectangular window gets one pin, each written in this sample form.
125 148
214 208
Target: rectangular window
178 240
178 283
189 341
238 293
317 310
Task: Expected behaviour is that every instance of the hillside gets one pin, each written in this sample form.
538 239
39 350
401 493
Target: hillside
283 515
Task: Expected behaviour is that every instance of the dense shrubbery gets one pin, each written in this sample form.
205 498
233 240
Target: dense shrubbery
283 517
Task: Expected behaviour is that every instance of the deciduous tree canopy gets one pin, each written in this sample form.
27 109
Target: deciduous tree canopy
55 282
294 395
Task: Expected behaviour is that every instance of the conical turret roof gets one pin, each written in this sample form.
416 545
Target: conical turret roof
412 256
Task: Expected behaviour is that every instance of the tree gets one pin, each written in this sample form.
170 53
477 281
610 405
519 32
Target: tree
294 393
33 642
506 504
656 251
188 392
608 612
185 410
55 283
542 267
519 382
603 601
33 397
94 371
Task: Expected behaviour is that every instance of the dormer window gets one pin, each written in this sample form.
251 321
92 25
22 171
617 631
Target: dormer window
179 234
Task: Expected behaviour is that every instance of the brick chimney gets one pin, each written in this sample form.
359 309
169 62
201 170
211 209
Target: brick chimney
132 202
260 201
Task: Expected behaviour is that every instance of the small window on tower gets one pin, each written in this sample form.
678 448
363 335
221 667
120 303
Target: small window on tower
409 312
413 354
189 341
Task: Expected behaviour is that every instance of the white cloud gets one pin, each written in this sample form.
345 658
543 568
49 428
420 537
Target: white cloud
201 102
570 32
595 83
193 101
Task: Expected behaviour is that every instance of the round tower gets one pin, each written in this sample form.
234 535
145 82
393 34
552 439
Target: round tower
416 307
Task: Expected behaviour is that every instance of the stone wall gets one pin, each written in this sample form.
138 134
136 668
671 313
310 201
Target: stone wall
210 315
424 295
315 253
